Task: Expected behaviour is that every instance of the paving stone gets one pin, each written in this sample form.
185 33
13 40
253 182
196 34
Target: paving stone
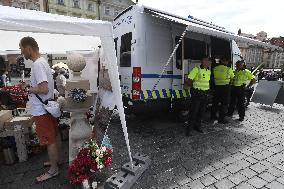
245 185
238 156
275 185
196 184
280 179
257 182
182 180
233 168
220 173
276 172
247 152
228 160
208 169
281 167
237 178
248 173
259 168
267 176
196 175
251 160
208 180
218 165
224 184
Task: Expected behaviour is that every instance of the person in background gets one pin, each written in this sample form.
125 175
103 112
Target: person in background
42 84
198 81
61 82
222 75
55 74
238 89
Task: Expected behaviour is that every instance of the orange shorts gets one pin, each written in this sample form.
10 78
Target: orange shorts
46 129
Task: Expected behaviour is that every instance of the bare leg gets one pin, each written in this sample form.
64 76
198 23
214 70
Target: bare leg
52 150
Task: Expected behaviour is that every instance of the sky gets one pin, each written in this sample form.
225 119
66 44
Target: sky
251 16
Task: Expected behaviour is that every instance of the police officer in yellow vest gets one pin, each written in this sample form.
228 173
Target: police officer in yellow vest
198 81
242 75
222 75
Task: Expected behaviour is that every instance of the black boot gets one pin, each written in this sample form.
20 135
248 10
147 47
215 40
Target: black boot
188 131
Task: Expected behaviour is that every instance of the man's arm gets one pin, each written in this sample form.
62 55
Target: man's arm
41 88
252 81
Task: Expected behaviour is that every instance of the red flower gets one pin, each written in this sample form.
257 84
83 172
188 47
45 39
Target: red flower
108 161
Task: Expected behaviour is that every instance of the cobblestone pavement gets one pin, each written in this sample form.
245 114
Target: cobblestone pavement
242 155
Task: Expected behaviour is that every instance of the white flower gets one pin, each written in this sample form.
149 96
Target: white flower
98 152
103 148
101 166
94 185
97 159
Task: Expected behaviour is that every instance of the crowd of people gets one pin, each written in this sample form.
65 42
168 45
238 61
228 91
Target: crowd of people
271 75
225 84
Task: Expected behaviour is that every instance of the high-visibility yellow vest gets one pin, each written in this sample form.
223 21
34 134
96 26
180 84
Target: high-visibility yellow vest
200 77
241 76
222 75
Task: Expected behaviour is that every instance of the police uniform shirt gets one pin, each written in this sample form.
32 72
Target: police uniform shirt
241 76
200 77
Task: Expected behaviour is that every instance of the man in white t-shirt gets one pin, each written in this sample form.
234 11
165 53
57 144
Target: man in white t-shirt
42 84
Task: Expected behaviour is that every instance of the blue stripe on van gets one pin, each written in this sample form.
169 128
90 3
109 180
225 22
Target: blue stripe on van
162 76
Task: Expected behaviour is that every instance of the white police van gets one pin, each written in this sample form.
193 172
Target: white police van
145 38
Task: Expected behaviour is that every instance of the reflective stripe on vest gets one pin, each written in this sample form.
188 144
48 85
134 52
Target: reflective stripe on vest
221 77
240 78
200 83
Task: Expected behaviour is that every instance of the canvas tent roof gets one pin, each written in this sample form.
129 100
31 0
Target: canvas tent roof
14 19
195 25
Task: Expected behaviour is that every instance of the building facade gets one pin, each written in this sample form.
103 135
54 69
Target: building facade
93 9
274 59
39 5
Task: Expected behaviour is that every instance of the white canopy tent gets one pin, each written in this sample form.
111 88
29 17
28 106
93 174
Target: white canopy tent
14 19
58 43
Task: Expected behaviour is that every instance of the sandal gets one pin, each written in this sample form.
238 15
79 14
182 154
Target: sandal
46 176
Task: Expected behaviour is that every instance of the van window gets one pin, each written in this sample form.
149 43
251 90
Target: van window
115 45
125 50
193 49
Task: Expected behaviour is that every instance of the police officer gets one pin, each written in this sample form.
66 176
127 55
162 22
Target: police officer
242 75
222 75
198 81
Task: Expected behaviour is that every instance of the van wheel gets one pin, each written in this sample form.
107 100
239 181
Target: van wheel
183 116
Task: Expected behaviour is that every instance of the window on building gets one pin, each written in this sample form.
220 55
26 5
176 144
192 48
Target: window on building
125 50
107 10
60 2
116 12
76 4
91 7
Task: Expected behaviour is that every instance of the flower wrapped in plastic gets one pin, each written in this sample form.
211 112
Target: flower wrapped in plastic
17 94
78 95
90 159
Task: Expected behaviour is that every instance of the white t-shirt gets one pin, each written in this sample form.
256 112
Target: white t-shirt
40 72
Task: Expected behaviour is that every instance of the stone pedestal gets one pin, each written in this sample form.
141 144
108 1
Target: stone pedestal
80 129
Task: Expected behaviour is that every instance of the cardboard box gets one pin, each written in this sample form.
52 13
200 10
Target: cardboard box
4 116
82 84
72 105
24 121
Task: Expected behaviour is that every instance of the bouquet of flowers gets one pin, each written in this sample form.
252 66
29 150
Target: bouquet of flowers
78 95
17 94
90 159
